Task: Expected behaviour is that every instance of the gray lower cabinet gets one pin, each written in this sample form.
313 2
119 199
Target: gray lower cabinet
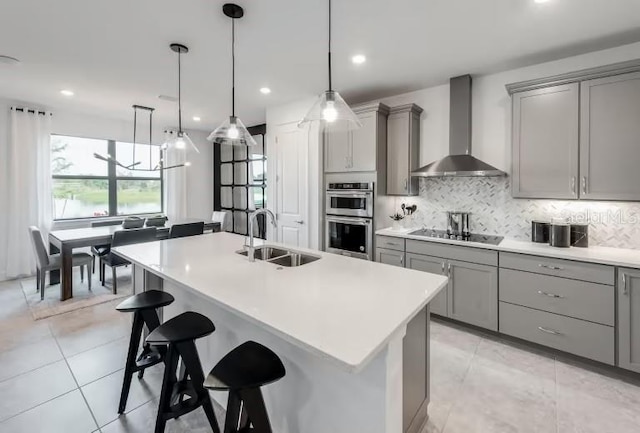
629 319
610 138
390 257
545 142
415 373
434 265
473 294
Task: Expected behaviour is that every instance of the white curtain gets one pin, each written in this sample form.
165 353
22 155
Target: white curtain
28 199
175 185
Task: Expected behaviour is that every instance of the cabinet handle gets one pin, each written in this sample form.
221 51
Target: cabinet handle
549 331
442 268
553 268
406 184
391 243
584 184
346 162
550 295
401 259
300 222
625 288
573 184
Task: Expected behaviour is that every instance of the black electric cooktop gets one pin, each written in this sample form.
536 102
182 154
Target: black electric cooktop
442 234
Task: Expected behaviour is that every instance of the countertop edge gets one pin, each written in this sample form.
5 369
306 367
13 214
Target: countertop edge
530 248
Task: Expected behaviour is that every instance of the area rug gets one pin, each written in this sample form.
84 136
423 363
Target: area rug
51 305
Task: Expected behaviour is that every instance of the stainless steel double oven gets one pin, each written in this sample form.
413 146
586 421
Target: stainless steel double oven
349 219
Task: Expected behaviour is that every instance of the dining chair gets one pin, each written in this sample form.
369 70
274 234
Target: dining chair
101 250
184 230
133 222
121 238
46 262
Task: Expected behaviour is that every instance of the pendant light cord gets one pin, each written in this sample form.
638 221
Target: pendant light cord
179 91
233 67
330 82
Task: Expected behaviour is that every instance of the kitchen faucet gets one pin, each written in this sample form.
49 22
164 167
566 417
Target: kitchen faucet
251 250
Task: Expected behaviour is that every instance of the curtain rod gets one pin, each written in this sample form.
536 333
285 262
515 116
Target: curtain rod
28 110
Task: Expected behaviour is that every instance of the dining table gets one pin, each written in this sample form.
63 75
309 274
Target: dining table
66 240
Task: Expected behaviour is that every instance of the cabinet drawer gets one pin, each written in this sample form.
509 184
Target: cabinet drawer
465 254
559 268
579 299
586 339
390 243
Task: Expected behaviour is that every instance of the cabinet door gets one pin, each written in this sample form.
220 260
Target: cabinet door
545 142
473 294
610 138
398 154
364 144
629 319
337 151
434 265
390 257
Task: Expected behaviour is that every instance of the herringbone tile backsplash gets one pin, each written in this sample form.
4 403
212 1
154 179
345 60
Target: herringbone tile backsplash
494 211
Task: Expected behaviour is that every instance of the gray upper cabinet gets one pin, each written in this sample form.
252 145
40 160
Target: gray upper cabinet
610 138
473 294
434 265
545 142
403 147
628 318
363 149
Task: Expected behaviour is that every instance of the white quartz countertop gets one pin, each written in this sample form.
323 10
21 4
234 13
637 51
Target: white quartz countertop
594 254
342 309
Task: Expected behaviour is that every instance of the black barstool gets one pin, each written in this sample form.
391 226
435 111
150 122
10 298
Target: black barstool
242 372
178 335
143 306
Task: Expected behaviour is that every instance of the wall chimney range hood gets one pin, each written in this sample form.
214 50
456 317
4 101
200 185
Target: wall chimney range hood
460 162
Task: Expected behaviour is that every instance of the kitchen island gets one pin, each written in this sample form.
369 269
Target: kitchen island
353 335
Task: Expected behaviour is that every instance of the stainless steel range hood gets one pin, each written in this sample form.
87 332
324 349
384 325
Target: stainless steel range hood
460 162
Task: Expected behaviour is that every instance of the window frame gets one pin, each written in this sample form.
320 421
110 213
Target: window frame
112 179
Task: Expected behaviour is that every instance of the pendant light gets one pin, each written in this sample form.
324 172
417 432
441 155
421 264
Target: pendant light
330 109
232 131
180 140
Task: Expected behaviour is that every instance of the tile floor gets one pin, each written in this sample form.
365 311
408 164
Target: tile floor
64 375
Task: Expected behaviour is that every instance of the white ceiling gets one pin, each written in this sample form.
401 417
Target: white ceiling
116 53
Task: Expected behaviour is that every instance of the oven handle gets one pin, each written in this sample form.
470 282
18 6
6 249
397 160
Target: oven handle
349 194
358 221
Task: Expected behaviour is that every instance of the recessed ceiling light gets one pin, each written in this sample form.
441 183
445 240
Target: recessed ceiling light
66 92
265 90
168 98
196 119
8 60
358 59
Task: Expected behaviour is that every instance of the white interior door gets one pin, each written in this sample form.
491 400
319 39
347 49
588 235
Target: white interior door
292 182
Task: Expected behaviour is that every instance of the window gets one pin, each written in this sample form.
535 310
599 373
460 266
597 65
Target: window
241 183
86 187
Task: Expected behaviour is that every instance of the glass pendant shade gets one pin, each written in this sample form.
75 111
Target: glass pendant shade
332 112
232 132
180 142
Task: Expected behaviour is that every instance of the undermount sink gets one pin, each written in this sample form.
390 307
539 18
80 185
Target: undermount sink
294 259
265 252
280 257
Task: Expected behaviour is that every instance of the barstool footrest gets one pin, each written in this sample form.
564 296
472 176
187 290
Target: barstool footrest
149 357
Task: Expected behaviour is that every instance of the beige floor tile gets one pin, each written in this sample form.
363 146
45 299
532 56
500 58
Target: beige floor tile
36 387
98 362
68 413
103 395
495 399
92 335
143 419
515 358
454 336
28 357
16 332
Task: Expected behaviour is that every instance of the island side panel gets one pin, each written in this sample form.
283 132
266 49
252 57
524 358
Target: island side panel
316 395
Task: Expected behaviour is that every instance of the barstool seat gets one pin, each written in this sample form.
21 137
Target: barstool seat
178 335
250 365
144 306
184 327
242 372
